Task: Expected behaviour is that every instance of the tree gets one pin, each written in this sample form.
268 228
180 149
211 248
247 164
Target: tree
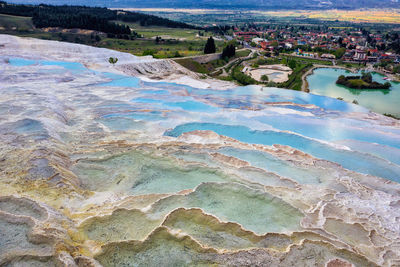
113 60
340 52
341 80
149 52
210 46
274 43
292 64
381 47
387 85
396 69
177 54
229 51
264 78
367 77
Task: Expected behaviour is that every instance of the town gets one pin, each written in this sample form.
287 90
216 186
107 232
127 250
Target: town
357 46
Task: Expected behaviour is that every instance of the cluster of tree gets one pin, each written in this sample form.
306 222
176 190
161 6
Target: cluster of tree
210 48
339 53
151 20
264 78
91 18
396 69
229 51
219 29
361 82
44 19
395 45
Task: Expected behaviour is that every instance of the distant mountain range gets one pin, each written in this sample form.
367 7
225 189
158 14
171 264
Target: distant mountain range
227 4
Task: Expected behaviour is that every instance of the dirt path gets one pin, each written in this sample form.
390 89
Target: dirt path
232 62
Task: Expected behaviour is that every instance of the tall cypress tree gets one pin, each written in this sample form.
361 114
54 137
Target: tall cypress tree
229 51
210 46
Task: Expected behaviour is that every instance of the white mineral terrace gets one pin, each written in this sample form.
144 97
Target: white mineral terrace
145 164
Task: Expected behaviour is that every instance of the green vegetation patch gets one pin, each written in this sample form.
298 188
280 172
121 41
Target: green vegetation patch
242 78
295 79
192 65
8 22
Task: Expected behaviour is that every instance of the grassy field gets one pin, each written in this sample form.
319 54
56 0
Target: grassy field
176 41
8 22
165 49
166 33
351 65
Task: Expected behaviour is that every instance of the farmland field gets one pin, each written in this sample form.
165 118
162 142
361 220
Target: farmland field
203 17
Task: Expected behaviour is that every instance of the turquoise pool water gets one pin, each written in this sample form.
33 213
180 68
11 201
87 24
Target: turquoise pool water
187 104
334 131
121 80
72 66
323 82
352 160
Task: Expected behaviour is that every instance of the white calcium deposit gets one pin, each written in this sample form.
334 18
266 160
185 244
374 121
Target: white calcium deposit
100 168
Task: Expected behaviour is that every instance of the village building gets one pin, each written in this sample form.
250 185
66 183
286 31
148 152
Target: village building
360 55
328 56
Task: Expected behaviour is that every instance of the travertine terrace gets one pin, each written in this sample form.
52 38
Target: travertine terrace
101 168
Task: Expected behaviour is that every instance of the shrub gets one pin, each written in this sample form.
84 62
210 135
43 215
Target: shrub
292 64
177 54
149 52
113 60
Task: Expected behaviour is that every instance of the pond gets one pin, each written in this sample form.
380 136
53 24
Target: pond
323 82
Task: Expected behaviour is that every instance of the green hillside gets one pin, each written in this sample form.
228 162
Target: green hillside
15 23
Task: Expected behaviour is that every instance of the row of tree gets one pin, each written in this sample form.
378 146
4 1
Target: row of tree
83 21
228 51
